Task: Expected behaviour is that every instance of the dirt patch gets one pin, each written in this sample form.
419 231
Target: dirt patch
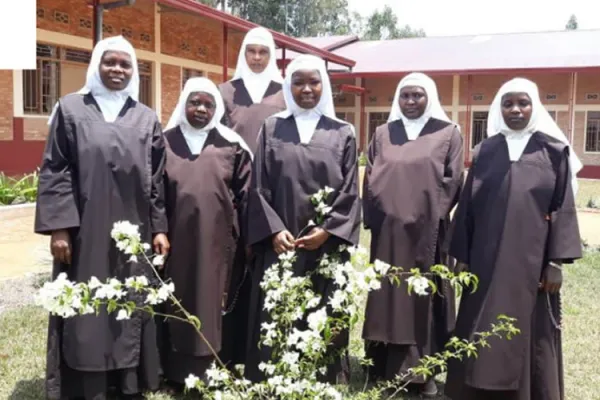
21 250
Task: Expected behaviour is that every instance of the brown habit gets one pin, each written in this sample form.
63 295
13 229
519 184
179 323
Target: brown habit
502 231
94 174
205 202
285 174
245 117
410 188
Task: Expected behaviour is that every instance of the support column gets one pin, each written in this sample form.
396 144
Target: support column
157 73
468 122
455 97
364 125
225 52
572 103
97 22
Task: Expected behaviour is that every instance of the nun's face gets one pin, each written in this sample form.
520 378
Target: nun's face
412 101
516 110
116 70
307 88
257 57
200 109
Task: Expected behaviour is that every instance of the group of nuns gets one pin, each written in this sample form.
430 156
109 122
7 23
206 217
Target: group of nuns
226 188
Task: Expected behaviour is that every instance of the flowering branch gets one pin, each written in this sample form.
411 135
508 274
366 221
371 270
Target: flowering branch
302 324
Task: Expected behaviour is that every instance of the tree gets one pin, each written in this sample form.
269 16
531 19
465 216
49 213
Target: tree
297 18
572 24
383 25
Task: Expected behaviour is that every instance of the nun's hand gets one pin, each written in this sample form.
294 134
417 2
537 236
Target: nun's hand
314 240
60 246
161 244
461 267
283 241
552 278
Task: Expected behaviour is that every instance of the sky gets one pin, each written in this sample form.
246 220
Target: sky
472 17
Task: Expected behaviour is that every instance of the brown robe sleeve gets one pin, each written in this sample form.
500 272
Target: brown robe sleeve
453 173
461 230
371 155
344 219
263 221
56 206
158 215
564 241
240 186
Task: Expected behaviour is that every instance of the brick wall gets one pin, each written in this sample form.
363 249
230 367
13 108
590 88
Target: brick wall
171 88
74 17
344 99
35 128
488 86
579 141
588 83
6 105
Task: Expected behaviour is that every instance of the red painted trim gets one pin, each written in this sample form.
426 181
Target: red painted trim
590 172
352 89
397 74
244 26
20 156
225 52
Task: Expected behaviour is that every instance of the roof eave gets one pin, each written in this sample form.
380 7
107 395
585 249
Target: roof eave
358 74
244 26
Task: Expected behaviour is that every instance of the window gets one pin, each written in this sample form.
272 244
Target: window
592 132
478 133
61 71
552 114
376 119
145 70
341 115
187 73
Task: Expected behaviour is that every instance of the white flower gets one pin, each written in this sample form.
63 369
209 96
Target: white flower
328 190
381 267
340 278
158 260
94 283
313 303
290 358
419 284
191 381
123 314
338 300
133 258
146 246
125 229
317 320
268 369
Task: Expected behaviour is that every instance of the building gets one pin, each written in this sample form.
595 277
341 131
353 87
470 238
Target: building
468 71
177 39
174 40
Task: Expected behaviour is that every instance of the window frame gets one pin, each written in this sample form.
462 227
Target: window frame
472 143
586 131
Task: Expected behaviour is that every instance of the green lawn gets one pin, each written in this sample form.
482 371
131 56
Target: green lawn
23 334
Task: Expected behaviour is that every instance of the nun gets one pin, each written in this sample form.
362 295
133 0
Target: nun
103 163
250 97
207 175
413 176
515 227
301 151
254 93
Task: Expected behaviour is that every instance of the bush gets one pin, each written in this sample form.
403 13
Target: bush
594 202
362 160
18 190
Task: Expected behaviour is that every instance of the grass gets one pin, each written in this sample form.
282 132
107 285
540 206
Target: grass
17 190
23 336
588 190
